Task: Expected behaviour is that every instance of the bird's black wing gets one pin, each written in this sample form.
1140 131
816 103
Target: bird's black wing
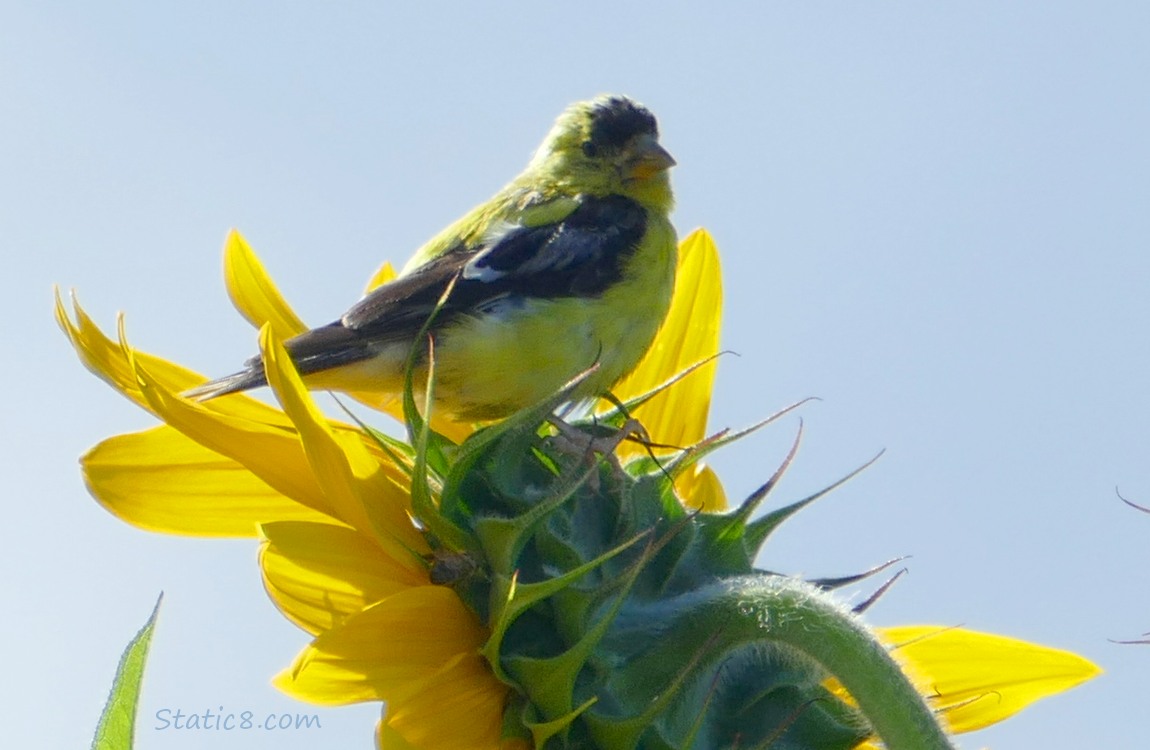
579 256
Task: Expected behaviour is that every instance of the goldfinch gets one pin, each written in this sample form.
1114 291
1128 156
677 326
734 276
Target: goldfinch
570 265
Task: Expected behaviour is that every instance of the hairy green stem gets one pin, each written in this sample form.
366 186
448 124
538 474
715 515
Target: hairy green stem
796 614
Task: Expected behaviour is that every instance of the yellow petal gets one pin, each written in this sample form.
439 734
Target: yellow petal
251 433
690 334
383 274
677 416
112 362
105 357
161 480
353 480
253 292
320 574
272 453
387 738
458 709
977 679
699 487
385 651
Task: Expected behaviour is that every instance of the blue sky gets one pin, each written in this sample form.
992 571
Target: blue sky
934 217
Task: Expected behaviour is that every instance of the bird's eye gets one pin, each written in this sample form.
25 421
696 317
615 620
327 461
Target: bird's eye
589 149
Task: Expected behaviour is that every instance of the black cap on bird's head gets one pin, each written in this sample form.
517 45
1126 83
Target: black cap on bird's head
615 120
611 136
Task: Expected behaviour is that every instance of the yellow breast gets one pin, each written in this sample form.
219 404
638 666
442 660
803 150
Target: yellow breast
520 353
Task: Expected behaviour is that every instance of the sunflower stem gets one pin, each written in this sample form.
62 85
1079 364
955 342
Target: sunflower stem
795 614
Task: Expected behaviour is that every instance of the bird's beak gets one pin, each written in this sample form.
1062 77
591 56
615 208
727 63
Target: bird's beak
647 159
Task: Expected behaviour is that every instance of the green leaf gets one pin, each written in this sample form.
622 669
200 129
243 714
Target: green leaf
117 725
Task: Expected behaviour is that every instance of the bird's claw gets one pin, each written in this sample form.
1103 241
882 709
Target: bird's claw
576 441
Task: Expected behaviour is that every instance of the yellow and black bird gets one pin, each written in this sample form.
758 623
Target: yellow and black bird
570 265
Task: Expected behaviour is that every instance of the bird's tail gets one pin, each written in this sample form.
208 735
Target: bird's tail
238 381
317 350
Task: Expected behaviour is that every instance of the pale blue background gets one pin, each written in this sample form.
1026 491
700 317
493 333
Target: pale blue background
932 215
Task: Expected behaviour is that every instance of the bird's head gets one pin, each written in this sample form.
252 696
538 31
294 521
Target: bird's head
608 145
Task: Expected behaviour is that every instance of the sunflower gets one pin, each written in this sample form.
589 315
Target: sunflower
347 557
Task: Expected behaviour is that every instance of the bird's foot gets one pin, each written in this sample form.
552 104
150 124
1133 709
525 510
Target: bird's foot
579 442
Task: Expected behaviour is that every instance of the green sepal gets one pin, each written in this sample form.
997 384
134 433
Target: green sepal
505 537
553 680
621 410
510 599
543 731
428 452
521 429
759 529
402 454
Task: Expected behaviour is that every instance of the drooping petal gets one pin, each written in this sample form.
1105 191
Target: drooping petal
163 481
248 432
111 361
977 679
320 574
386 651
252 291
272 453
353 480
